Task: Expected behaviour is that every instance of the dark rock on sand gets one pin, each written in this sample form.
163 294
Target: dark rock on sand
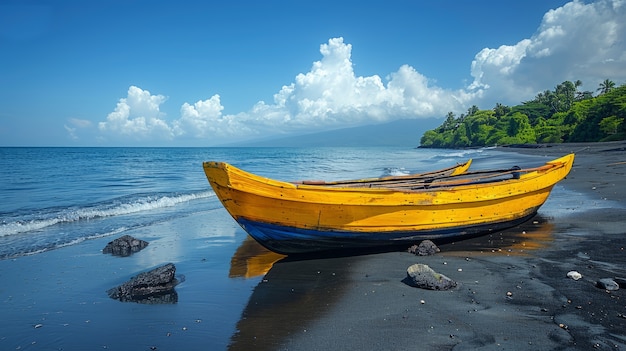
607 284
621 282
155 286
124 246
425 248
421 276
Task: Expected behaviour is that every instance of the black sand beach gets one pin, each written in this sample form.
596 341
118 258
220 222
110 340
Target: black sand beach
514 292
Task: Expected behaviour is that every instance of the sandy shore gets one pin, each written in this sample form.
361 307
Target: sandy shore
513 295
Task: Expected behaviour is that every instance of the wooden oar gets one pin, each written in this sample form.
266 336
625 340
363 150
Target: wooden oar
383 179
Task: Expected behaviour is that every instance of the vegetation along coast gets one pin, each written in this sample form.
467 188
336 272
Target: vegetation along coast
562 115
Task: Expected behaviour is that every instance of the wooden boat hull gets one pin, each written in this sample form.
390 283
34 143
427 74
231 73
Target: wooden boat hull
293 218
289 240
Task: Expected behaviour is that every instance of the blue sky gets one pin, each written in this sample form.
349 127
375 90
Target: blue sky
205 73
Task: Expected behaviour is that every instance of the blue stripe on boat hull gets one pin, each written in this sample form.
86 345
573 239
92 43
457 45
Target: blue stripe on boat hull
289 240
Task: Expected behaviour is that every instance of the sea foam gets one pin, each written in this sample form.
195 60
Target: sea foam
45 218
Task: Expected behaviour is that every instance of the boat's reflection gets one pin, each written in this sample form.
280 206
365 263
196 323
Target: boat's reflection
252 260
296 291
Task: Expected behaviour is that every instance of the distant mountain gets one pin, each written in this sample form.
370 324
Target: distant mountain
406 132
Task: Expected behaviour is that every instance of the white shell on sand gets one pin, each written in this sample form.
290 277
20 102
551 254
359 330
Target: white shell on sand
574 275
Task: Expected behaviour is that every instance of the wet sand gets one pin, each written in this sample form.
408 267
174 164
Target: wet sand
513 290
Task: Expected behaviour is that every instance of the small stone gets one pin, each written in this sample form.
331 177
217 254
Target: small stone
574 275
152 287
425 248
421 276
124 246
620 281
607 284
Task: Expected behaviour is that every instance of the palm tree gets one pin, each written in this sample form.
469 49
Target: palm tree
606 86
501 110
472 110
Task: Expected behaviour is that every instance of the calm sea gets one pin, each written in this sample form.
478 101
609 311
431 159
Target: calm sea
54 197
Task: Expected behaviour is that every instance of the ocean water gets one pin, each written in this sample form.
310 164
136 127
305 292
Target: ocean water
55 197
60 206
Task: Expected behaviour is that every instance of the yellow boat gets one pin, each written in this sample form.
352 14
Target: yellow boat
302 217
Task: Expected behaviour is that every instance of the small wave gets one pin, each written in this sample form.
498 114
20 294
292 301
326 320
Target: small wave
394 171
31 249
116 208
457 154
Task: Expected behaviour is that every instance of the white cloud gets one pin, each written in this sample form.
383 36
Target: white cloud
577 41
204 119
80 123
74 124
71 132
139 116
329 96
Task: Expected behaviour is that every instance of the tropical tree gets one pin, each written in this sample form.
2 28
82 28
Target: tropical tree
501 110
609 125
562 115
578 83
565 95
584 95
472 110
449 123
606 86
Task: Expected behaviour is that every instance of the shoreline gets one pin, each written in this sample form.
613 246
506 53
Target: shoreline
598 167
514 292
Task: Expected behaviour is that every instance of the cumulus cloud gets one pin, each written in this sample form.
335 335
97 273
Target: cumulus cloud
330 94
577 41
204 119
138 115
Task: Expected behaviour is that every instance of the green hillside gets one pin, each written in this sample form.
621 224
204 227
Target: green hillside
559 116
